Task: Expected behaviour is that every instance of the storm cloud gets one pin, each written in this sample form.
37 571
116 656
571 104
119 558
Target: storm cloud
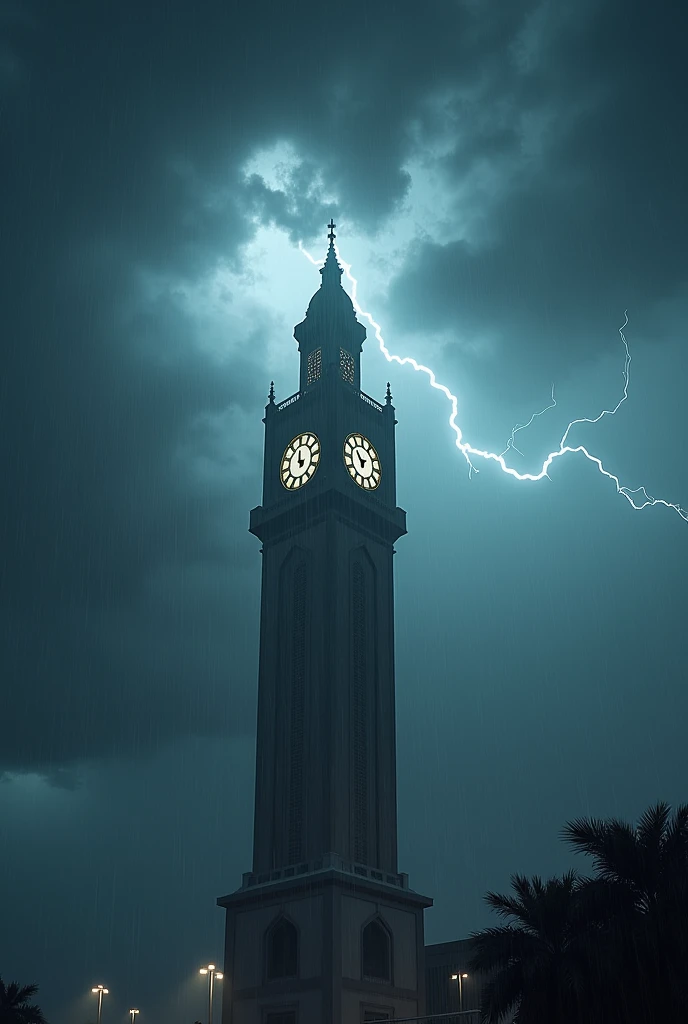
511 179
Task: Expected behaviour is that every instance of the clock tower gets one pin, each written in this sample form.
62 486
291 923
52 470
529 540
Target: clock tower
324 929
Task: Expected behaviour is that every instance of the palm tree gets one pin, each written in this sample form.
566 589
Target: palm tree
15 1007
538 966
641 889
610 948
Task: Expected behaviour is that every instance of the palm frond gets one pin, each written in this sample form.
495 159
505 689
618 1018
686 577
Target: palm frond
611 844
15 1007
31 1013
501 996
505 906
652 825
676 836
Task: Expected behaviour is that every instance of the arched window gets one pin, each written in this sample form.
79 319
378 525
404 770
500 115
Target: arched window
376 952
282 950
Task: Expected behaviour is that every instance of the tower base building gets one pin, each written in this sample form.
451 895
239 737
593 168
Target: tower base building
331 944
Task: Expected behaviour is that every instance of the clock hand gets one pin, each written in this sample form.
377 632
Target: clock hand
300 460
361 459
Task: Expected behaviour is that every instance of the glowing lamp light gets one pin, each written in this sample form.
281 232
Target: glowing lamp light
212 976
100 991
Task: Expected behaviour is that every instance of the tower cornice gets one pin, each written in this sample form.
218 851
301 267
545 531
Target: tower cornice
294 513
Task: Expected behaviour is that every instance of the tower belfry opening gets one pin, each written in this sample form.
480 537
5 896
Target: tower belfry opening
325 896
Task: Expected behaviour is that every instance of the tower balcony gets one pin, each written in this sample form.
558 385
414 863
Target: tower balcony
378 406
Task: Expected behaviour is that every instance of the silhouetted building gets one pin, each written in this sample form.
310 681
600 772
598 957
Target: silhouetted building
324 929
445 963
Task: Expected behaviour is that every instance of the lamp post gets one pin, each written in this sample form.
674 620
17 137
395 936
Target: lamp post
102 991
212 975
458 978
133 1015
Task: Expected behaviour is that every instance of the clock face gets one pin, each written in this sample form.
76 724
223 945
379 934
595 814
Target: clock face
300 461
362 462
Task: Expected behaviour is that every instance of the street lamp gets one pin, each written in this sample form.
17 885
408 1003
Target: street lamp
133 1015
459 979
212 975
102 991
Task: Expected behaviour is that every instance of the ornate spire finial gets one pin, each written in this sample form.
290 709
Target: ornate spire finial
271 394
388 397
331 271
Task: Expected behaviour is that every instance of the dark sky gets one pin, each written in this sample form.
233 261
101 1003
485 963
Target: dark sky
506 179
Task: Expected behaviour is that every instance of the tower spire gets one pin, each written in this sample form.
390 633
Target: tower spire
330 337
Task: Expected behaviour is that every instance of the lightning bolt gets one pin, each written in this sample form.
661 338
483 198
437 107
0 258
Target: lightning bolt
511 443
638 497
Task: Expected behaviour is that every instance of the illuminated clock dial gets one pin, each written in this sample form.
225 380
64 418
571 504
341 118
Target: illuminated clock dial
300 461
362 462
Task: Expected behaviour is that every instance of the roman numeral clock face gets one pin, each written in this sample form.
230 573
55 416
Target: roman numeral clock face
300 461
362 462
